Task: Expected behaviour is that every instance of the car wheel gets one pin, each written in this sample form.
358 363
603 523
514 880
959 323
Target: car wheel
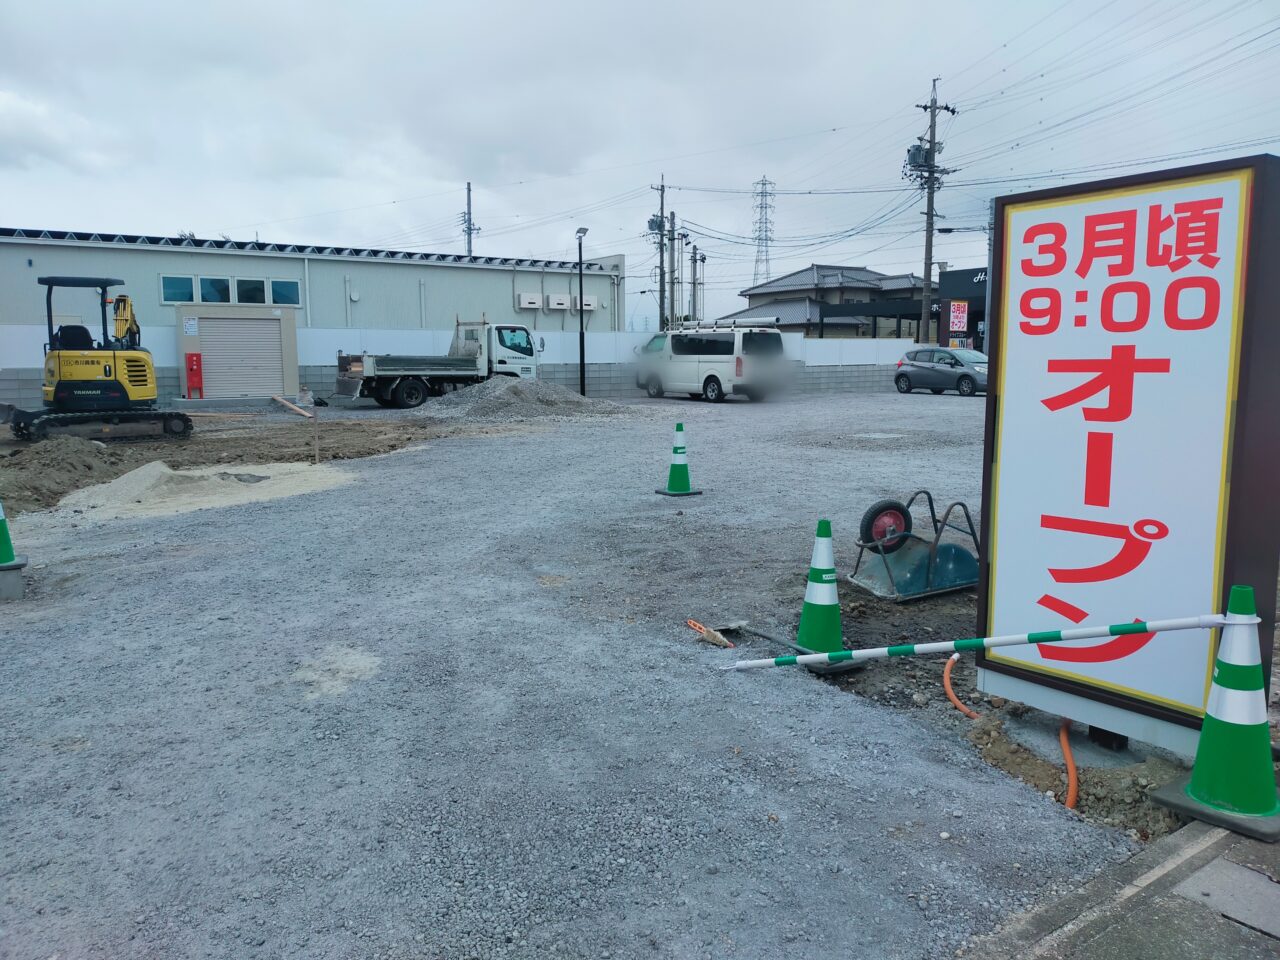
935 390
903 383
409 393
712 392
966 386
885 519
653 388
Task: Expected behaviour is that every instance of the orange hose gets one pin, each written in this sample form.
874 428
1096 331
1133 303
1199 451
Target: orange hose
951 694
1073 783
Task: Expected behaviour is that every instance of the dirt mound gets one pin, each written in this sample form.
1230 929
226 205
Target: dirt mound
506 398
156 490
39 474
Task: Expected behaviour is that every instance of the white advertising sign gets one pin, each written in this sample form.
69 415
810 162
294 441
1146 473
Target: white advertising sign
959 315
1118 366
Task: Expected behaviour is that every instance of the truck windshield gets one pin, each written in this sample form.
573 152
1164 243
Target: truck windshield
517 339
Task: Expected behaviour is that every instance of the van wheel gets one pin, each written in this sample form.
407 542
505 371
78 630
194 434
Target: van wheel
654 388
409 393
903 383
966 386
712 392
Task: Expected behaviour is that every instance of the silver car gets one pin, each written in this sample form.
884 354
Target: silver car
939 368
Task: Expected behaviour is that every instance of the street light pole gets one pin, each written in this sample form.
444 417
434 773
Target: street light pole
582 323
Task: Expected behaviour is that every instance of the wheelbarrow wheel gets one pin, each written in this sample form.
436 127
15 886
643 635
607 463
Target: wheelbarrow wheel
878 521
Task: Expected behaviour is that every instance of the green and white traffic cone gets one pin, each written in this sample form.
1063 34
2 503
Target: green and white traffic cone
820 617
678 477
6 542
11 565
1232 783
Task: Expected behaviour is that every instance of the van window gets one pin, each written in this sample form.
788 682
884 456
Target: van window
683 345
761 344
717 344
656 344
517 339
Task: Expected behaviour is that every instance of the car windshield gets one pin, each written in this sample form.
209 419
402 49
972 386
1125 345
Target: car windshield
970 356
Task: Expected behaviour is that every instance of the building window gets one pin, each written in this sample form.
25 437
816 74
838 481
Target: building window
251 291
287 292
215 290
177 289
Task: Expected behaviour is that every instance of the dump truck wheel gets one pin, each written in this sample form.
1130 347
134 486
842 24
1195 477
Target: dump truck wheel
409 393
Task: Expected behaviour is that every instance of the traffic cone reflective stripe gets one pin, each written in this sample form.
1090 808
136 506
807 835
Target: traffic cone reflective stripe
678 477
1233 770
1232 783
6 542
820 617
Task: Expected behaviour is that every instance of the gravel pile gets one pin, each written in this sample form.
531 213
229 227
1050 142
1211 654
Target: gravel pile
507 398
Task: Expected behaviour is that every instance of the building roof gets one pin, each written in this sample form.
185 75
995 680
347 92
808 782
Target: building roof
782 312
81 237
829 276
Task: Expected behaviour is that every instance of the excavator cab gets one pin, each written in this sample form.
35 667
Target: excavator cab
103 388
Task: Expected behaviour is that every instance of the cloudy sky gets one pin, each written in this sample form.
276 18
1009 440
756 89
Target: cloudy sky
359 123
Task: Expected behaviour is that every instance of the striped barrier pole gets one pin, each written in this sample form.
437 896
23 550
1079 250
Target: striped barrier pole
984 643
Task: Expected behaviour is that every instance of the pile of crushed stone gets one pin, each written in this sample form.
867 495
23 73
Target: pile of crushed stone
37 475
506 398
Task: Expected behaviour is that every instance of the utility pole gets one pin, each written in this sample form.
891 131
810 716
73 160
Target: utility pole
658 225
922 166
469 227
693 283
671 267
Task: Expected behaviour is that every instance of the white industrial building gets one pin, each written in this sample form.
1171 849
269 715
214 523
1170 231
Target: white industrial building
267 317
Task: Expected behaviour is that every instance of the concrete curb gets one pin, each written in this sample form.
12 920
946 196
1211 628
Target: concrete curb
1157 869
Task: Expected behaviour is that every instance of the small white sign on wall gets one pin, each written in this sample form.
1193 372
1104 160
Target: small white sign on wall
190 327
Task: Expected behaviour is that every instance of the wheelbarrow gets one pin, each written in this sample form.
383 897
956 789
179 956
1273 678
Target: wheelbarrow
895 563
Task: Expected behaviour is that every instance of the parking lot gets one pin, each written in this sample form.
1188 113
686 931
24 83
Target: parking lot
450 709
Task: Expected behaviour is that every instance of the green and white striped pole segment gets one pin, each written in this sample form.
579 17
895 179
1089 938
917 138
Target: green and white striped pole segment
984 643
1233 770
820 616
6 542
678 477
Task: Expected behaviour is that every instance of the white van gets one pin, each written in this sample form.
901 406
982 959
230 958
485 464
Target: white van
712 363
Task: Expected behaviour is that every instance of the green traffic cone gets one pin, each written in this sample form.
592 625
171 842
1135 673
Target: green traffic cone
678 477
6 542
1232 783
820 618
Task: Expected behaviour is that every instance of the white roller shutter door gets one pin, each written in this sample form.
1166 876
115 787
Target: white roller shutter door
242 357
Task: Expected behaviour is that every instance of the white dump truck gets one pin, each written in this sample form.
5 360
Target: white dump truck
479 350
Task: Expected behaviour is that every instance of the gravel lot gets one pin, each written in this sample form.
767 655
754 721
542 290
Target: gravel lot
451 710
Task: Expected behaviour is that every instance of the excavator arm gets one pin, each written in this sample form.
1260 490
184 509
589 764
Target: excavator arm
128 332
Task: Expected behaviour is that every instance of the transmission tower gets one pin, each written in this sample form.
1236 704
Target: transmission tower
763 226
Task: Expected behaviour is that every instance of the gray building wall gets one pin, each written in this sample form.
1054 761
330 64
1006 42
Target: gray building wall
391 294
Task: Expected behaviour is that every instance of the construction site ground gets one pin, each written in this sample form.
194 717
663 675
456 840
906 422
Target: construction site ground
449 708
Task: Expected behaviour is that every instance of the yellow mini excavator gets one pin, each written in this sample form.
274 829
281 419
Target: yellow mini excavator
103 390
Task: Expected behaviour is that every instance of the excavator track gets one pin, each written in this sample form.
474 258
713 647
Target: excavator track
104 425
